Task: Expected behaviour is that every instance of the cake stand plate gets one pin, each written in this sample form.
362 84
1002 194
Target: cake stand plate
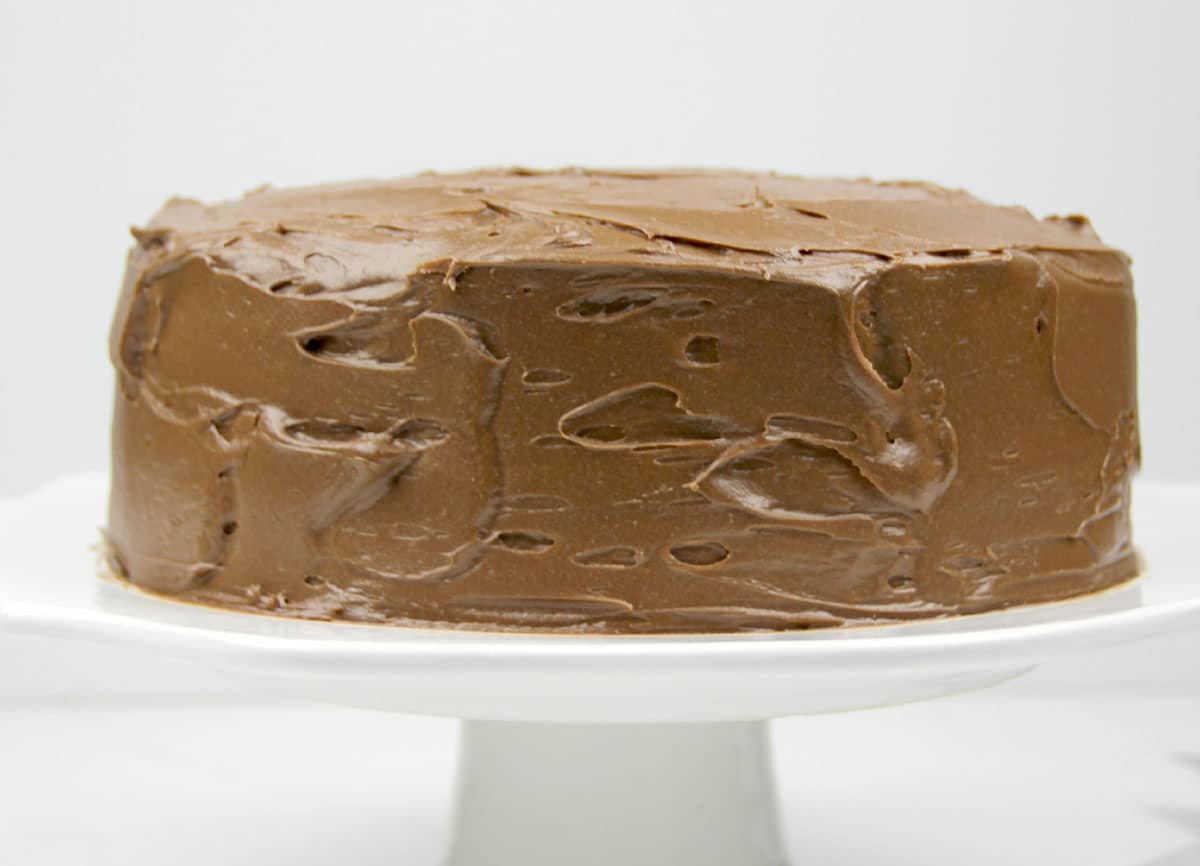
589 750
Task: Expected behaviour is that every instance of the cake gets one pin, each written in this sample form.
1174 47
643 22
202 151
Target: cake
621 402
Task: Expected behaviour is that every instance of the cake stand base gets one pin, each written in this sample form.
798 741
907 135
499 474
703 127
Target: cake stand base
599 795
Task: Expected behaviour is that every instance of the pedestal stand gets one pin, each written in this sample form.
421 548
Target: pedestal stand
599 795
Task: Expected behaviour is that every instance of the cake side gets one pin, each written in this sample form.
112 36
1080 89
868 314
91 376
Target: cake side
622 403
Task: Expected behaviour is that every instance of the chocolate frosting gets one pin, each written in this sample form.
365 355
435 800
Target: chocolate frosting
622 402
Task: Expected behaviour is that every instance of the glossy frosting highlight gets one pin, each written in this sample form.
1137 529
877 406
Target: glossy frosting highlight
622 402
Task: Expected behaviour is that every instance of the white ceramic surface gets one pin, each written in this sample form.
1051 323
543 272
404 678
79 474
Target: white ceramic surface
598 795
635 793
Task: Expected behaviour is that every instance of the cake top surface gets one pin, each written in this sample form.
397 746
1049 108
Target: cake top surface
728 219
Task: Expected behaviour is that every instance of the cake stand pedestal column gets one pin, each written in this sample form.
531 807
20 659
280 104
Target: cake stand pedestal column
615 795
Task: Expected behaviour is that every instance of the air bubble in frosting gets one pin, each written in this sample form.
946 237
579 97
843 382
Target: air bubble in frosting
703 350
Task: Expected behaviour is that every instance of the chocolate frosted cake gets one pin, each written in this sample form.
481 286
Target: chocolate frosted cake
622 402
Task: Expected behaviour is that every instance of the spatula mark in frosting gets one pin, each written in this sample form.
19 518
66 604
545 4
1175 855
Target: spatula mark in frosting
875 338
384 338
608 304
904 445
808 482
618 556
285 263
535 502
523 541
699 553
372 339
650 414
544 378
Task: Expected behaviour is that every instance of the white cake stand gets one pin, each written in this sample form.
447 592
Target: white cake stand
640 751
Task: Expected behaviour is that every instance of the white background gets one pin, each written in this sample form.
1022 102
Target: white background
109 108
106 109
